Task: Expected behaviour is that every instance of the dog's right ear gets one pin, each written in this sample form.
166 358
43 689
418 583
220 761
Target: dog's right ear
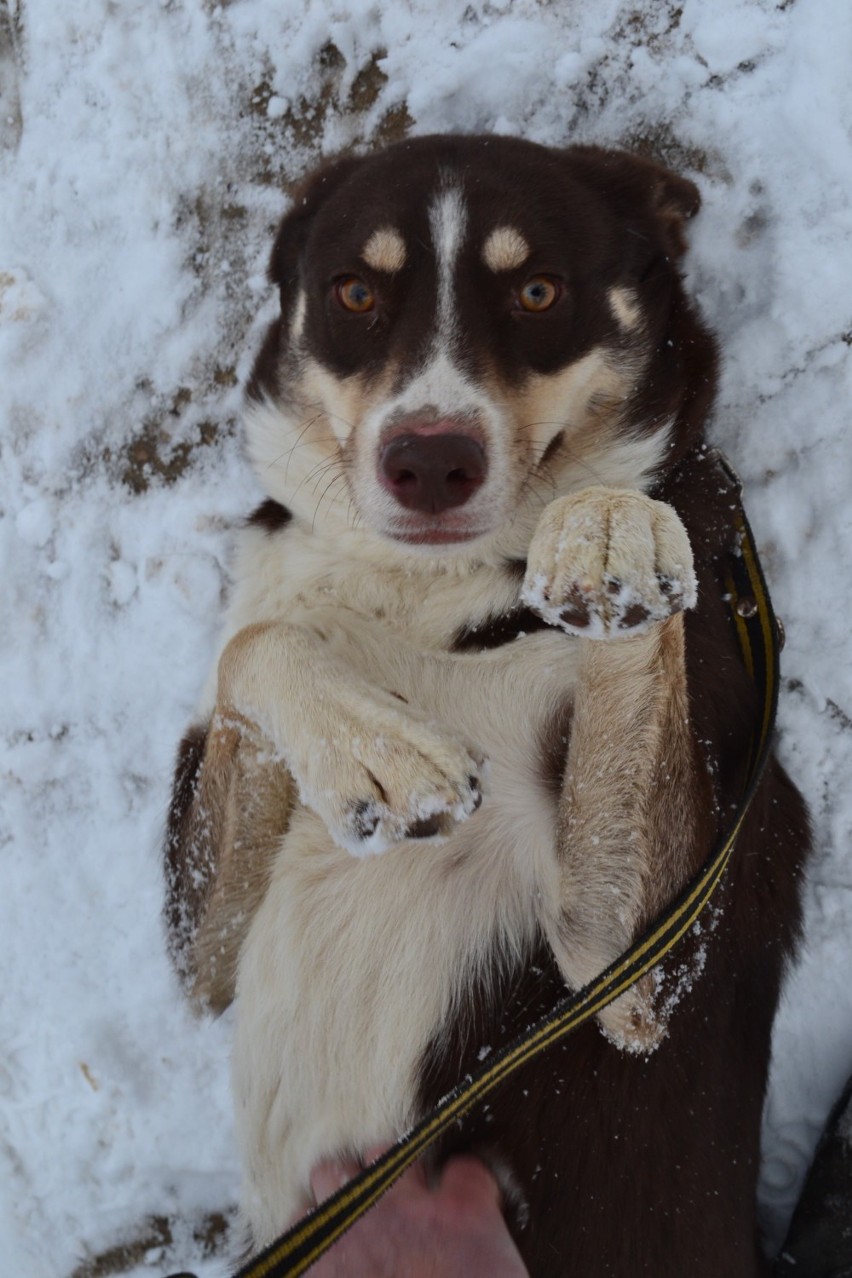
638 186
292 235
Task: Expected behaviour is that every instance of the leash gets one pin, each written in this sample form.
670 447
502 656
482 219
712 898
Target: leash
758 632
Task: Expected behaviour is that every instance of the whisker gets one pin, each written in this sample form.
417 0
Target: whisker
297 444
564 451
299 438
318 471
334 480
308 443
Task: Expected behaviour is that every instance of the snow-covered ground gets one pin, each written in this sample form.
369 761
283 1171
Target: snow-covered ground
145 146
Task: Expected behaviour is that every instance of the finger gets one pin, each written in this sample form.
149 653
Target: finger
468 1181
331 1175
414 1176
374 1152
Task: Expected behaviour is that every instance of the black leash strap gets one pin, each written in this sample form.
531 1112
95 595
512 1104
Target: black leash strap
757 630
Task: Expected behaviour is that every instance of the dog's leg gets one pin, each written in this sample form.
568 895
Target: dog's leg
615 568
375 770
231 805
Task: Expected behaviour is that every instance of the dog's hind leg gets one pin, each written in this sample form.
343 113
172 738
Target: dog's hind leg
231 805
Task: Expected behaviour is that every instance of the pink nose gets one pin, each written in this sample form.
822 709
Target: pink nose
432 473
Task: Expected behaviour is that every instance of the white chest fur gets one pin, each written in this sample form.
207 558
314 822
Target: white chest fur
351 967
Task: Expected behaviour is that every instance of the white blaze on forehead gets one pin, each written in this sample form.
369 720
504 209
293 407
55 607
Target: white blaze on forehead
385 250
505 249
447 219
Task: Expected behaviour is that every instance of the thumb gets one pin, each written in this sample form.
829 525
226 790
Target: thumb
470 1182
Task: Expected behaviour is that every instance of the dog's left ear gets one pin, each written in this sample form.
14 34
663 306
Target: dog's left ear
636 185
674 200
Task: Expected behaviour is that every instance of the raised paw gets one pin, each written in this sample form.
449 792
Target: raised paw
609 561
383 776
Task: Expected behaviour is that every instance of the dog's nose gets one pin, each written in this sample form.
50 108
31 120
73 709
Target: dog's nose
432 472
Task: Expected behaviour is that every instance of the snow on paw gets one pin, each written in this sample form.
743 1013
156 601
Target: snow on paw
609 561
387 777
632 1023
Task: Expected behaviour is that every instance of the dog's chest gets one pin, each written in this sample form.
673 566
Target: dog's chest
354 964
353 967
426 601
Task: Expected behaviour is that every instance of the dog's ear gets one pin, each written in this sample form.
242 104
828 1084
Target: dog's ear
637 186
292 234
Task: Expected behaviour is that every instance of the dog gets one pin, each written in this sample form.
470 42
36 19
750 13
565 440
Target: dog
478 713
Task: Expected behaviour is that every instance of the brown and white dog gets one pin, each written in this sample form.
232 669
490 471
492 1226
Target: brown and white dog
478 628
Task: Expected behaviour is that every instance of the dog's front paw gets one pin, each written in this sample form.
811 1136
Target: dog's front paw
609 561
381 776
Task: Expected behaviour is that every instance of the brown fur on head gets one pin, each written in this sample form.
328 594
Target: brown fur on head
608 382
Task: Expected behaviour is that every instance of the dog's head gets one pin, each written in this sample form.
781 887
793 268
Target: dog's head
469 327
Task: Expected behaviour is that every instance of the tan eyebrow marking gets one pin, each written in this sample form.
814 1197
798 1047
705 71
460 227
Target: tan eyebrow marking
505 249
625 307
385 250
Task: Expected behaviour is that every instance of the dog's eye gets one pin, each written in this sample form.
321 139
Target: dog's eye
354 295
539 293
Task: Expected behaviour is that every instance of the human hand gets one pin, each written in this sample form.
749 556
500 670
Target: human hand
455 1229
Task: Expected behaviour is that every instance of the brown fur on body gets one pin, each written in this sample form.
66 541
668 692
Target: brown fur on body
232 799
363 680
649 1165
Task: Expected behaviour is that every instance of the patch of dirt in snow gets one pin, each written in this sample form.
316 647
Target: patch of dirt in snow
300 129
11 120
155 1241
276 151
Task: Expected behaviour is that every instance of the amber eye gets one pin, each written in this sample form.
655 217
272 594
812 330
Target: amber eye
539 293
354 295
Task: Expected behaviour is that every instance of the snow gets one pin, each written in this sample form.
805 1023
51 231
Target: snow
144 150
